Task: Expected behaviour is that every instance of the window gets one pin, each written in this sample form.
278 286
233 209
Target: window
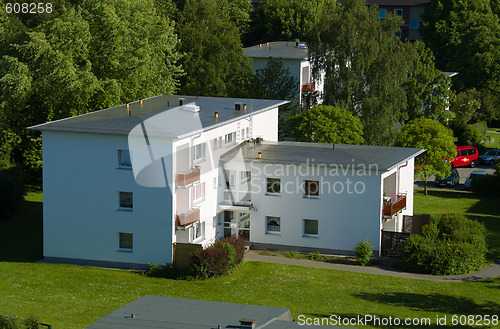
273 225
273 186
242 134
382 13
413 24
248 136
398 34
398 13
126 241
124 159
230 138
126 201
215 183
214 144
245 177
199 151
311 189
220 142
310 227
197 231
230 179
198 192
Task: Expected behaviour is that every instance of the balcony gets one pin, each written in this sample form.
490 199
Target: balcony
309 86
391 208
188 218
188 178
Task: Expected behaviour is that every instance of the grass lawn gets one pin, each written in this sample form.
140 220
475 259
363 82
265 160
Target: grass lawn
496 141
485 210
69 297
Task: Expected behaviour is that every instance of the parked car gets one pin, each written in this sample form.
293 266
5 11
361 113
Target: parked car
473 174
466 156
491 157
449 181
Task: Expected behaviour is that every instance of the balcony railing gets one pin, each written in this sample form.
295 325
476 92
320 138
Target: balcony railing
188 218
188 178
309 86
392 208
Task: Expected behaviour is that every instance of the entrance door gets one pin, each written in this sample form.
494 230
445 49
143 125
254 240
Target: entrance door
244 226
237 224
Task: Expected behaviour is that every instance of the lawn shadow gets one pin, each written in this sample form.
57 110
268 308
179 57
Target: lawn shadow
22 234
431 302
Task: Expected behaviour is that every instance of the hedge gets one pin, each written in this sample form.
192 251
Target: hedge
451 244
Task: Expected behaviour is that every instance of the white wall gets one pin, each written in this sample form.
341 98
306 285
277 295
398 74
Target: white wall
343 217
81 220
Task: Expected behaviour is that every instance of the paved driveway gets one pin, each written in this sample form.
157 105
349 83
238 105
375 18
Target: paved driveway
464 172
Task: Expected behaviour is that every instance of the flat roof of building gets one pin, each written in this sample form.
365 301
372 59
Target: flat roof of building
175 122
395 2
278 49
369 157
180 313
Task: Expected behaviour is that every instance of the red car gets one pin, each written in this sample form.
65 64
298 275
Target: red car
466 156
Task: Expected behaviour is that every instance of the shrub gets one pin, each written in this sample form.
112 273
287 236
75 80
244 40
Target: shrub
231 252
363 252
31 322
488 185
8 322
239 247
12 191
210 262
457 247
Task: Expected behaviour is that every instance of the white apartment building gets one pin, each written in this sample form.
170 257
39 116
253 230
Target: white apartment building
294 56
124 184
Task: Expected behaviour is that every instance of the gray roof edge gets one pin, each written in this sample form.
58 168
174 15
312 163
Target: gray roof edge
414 155
219 124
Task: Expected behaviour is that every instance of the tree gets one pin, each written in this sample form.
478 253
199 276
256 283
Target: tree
427 89
365 66
465 37
214 62
276 82
436 139
284 20
328 124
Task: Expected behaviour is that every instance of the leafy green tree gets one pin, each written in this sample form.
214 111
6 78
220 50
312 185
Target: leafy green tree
284 20
465 37
365 66
436 139
427 89
328 124
214 62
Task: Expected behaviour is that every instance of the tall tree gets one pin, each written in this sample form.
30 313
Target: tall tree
437 139
365 66
427 89
465 37
328 124
214 62
284 20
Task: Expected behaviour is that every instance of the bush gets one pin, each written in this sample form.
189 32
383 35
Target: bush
12 191
452 244
488 185
239 247
363 252
210 262
231 252
31 322
8 322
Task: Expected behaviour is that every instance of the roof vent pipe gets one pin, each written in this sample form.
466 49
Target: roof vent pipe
181 101
259 155
237 106
245 108
216 116
128 110
247 323
296 43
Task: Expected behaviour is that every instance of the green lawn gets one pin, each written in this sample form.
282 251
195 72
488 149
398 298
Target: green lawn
495 144
485 210
74 297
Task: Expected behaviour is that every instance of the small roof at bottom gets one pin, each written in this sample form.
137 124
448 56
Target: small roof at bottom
179 313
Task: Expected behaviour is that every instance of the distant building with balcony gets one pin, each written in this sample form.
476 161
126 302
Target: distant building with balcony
294 56
124 185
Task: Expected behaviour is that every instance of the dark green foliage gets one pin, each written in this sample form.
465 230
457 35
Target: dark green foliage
8 322
12 191
167 271
328 124
31 322
363 252
231 252
488 185
452 244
